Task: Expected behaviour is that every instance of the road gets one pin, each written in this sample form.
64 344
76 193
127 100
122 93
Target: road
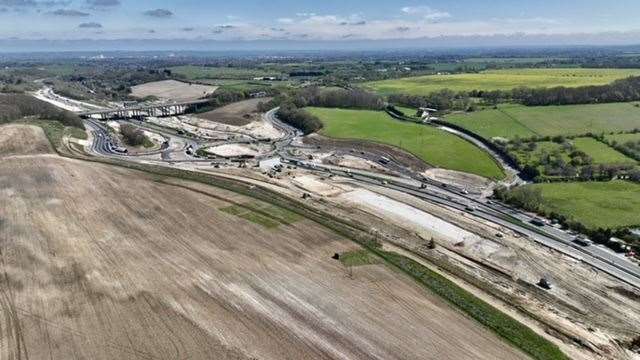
427 190
596 256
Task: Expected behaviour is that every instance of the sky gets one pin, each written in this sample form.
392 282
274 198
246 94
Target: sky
476 22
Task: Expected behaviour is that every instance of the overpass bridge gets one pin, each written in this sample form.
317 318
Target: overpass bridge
142 111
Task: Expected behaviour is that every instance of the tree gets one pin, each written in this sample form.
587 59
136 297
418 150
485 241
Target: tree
132 135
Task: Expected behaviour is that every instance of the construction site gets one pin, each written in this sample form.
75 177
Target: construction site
134 264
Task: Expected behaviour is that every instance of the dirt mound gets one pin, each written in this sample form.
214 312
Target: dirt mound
238 114
470 182
101 262
23 140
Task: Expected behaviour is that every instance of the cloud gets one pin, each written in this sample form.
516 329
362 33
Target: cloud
425 12
188 29
103 3
222 28
69 12
90 25
33 3
285 20
159 13
355 23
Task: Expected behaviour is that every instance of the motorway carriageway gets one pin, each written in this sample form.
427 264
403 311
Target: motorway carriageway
600 258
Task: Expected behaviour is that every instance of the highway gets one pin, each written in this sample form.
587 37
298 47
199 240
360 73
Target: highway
434 192
596 256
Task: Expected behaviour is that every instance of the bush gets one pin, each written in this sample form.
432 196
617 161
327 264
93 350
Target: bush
132 135
525 197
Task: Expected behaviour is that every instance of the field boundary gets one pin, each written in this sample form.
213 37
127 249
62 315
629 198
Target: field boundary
517 121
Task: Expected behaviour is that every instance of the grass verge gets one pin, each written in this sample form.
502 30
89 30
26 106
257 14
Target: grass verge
500 323
263 214
358 258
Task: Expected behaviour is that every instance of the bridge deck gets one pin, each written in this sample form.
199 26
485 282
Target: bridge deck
141 108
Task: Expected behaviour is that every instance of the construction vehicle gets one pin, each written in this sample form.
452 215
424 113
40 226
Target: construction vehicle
544 283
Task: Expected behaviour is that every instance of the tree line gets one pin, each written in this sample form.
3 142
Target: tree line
16 106
293 102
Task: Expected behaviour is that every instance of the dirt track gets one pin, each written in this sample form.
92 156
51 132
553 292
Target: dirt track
105 263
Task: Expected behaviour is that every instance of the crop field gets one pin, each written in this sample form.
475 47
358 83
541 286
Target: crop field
509 121
430 144
239 113
102 262
612 204
601 153
504 79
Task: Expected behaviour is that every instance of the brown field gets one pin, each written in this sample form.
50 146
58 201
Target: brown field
100 262
239 113
172 90
23 140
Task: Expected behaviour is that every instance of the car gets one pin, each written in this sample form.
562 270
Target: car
582 241
537 222
470 208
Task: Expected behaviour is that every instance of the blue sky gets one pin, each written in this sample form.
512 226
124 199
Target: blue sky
307 20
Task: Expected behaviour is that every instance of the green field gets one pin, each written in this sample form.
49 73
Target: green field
408 112
432 145
623 138
512 120
601 153
612 204
504 79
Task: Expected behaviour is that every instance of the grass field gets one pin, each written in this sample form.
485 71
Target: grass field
623 138
503 79
432 145
601 153
612 204
512 120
